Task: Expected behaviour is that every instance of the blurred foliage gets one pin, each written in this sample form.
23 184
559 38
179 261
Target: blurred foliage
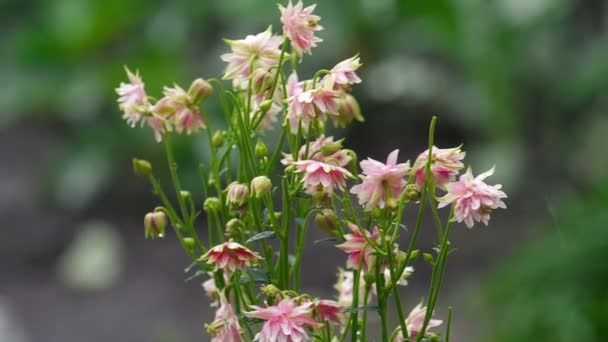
555 289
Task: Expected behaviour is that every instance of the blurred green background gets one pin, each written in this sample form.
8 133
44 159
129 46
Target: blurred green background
521 83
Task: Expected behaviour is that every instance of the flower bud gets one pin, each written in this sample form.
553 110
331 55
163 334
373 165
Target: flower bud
392 203
327 220
270 291
218 138
185 195
412 193
155 224
265 105
234 227
348 110
329 148
189 242
261 150
212 205
260 186
369 278
320 197
237 194
141 167
164 107
352 165
428 258
199 90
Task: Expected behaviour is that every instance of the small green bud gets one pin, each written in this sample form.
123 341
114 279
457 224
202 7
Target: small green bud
412 193
141 167
218 138
155 224
260 186
369 278
234 227
199 90
392 203
185 195
428 258
261 150
265 105
329 148
327 220
212 205
352 165
189 242
270 291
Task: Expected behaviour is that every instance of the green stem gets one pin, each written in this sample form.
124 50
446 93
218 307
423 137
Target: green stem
284 248
448 328
381 299
364 320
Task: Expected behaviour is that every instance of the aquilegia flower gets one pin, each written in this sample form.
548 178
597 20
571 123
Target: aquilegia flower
262 49
414 322
311 105
300 25
340 157
286 321
343 73
132 99
184 114
474 200
382 183
237 194
322 176
329 310
230 257
226 327
402 279
445 165
357 248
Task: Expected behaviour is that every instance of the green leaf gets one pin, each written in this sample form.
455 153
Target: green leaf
268 234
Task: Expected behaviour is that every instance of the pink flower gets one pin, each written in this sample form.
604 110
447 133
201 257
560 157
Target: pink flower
474 199
445 165
322 176
159 126
132 99
262 49
211 290
330 311
343 73
237 194
340 157
414 322
226 327
184 114
230 256
382 183
286 321
300 25
311 105
357 248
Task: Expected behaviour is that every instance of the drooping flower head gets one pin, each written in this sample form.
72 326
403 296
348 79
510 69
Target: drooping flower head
315 152
230 256
183 113
226 327
211 290
358 250
381 183
402 279
348 110
132 100
310 105
330 311
343 74
262 49
414 322
237 194
300 25
474 199
286 321
320 176
445 165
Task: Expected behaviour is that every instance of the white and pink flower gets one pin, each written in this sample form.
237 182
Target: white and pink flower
473 199
184 114
415 321
286 321
340 157
322 176
300 25
132 100
310 105
345 285
343 74
226 326
445 165
330 311
358 250
382 183
230 257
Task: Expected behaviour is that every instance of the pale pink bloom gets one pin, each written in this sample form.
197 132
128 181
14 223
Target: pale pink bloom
343 73
348 110
300 25
226 327
414 322
294 86
159 126
230 257
381 182
330 310
183 113
211 290
340 157
132 99
474 199
262 49
286 321
345 284
445 165
237 194
322 176
358 250
402 280
310 105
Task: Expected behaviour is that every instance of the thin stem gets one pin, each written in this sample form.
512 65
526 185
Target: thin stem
448 328
381 299
364 320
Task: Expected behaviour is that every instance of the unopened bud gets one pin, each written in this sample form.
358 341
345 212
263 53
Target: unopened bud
352 165
218 139
237 194
234 228
185 195
348 110
261 150
392 203
260 186
141 167
412 193
369 278
270 291
155 224
212 205
265 105
428 258
199 90
327 220
329 148
320 197
189 242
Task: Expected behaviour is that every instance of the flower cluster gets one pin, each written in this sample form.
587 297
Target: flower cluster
257 220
